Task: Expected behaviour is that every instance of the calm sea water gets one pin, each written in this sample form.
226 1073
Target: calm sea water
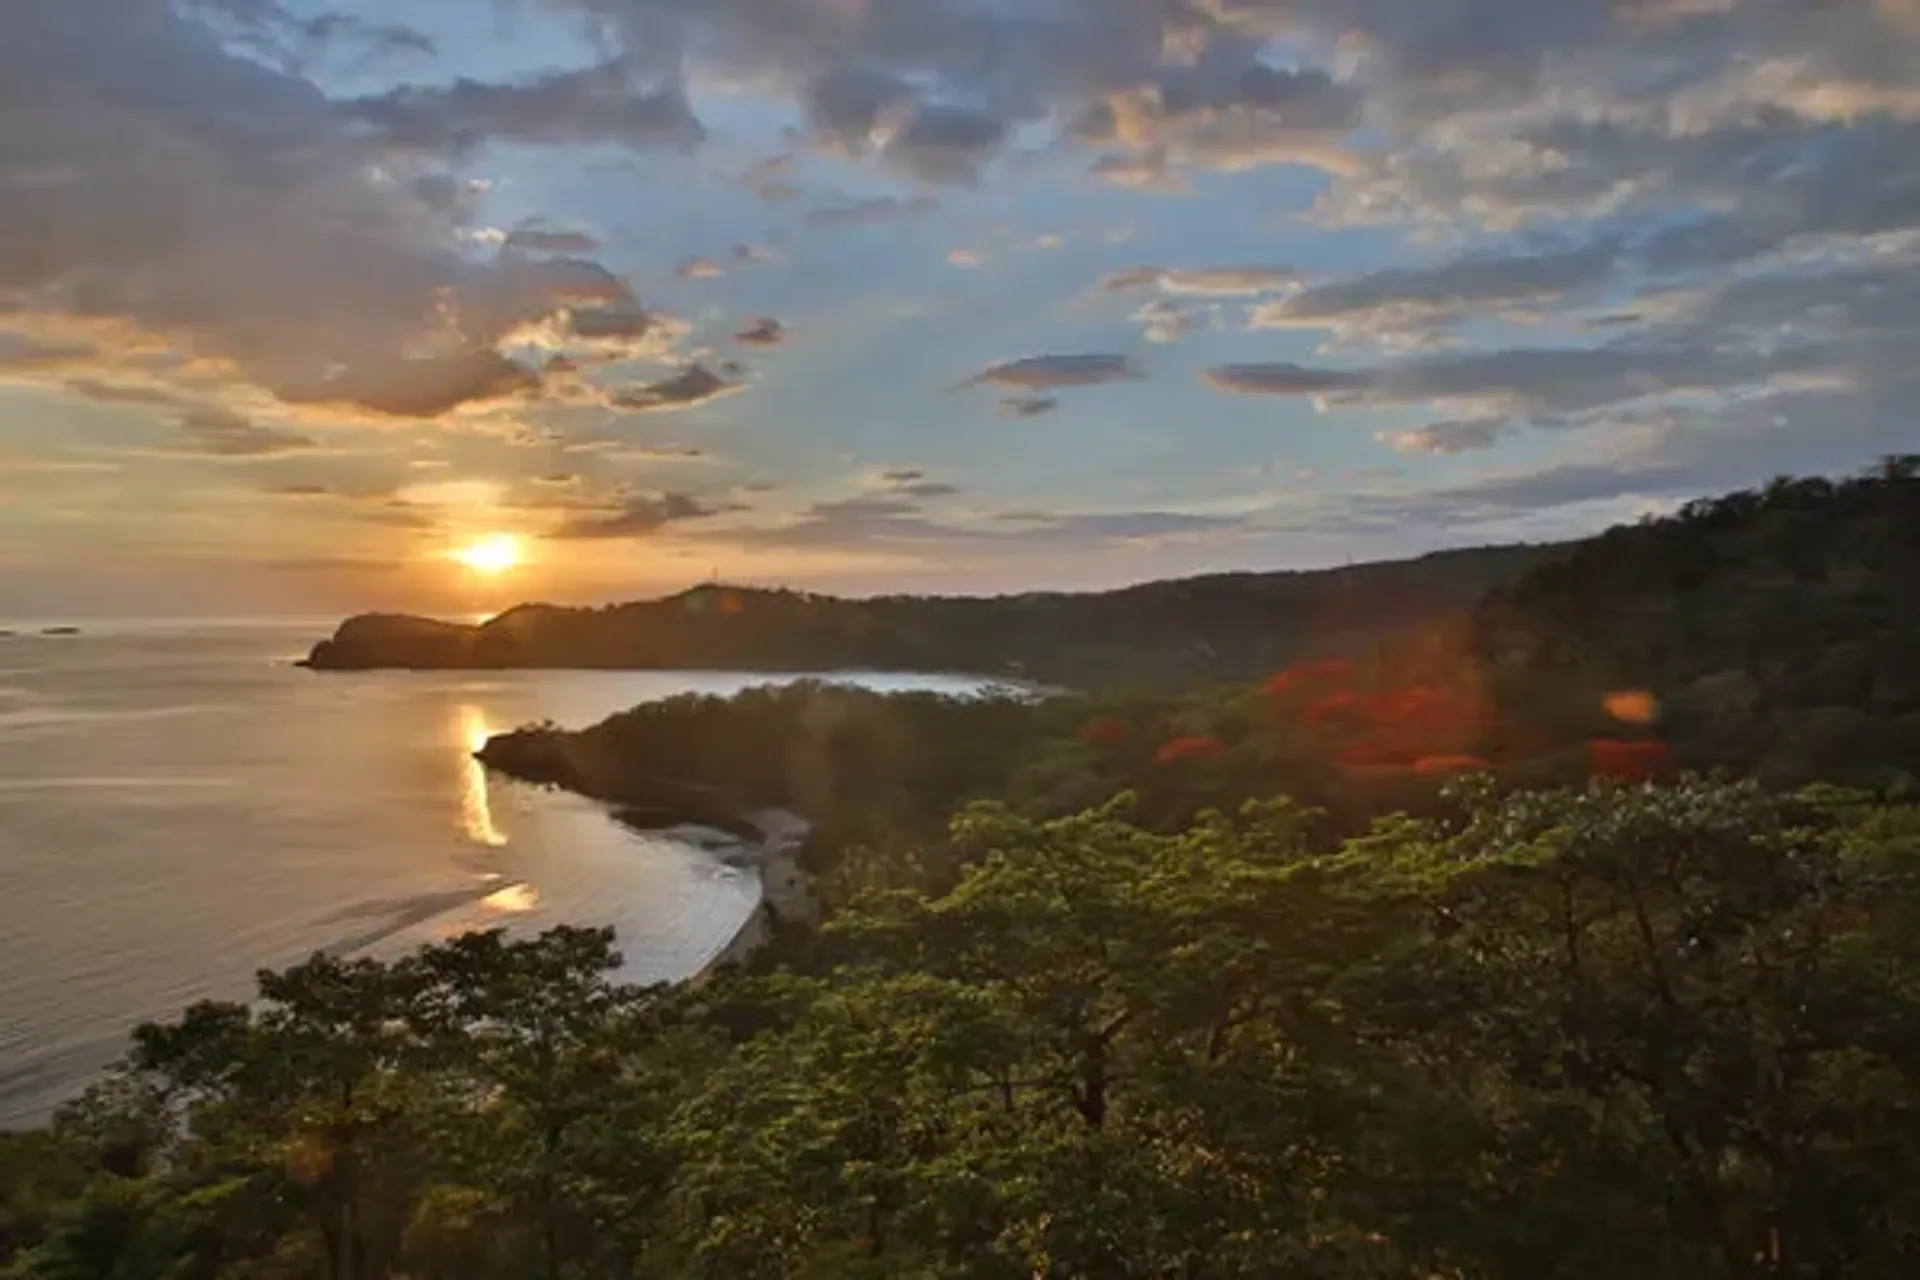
180 806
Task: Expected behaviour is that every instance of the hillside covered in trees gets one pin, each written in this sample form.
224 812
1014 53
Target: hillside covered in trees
1769 633
1670 1032
1224 627
1575 935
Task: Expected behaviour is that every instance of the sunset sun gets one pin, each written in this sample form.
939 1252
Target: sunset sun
492 555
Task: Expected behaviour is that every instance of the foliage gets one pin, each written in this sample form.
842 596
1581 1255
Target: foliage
1231 626
1669 1031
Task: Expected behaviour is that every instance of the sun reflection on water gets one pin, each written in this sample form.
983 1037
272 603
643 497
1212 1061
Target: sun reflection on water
476 810
515 899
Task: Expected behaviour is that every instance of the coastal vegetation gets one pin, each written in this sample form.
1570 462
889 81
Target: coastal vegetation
1570 934
1230 626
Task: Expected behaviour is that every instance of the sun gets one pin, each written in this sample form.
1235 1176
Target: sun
492 555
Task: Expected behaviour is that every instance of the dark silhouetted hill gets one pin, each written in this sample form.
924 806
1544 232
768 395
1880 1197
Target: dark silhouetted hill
1219 628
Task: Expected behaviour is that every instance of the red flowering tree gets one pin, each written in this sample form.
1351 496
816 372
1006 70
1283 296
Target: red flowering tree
1630 761
1104 731
1191 747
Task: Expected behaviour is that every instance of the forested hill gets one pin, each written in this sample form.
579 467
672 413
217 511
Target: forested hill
1218 628
1775 630
1769 633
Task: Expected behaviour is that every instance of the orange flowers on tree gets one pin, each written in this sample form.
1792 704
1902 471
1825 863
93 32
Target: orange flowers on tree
1630 761
1104 731
1191 747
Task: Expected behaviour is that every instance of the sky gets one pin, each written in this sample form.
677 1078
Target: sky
299 298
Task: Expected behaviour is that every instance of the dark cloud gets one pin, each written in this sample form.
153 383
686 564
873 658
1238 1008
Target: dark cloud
1035 373
616 323
764 332
1279 378
1231 112
599 104
910 482
638 517
423 387
300 491
1027 406
696 384
946 143
847 105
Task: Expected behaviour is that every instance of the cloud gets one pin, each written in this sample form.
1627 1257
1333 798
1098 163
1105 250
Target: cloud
123 393
700 269
1459 436
220 434
1230 113
1027 406
694 385
877 522
872 210
946 143
1551 384
1403 299
173 194
1166 321
609 322
1217 282
1036 373
619 449
764 332
1279 378
421 387
598 104
908 482
534 239
637 517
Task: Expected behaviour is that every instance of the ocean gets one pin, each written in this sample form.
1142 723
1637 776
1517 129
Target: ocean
181 806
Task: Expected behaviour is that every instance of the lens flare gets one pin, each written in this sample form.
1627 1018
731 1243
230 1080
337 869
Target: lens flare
1631 706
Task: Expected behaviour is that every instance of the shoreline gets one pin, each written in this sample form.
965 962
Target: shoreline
774 850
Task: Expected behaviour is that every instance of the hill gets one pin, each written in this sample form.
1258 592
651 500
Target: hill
1217 628
1770 631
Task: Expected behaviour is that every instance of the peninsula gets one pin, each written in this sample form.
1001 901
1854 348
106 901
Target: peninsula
1223 627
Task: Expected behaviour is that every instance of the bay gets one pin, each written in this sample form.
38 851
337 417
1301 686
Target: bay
180 806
